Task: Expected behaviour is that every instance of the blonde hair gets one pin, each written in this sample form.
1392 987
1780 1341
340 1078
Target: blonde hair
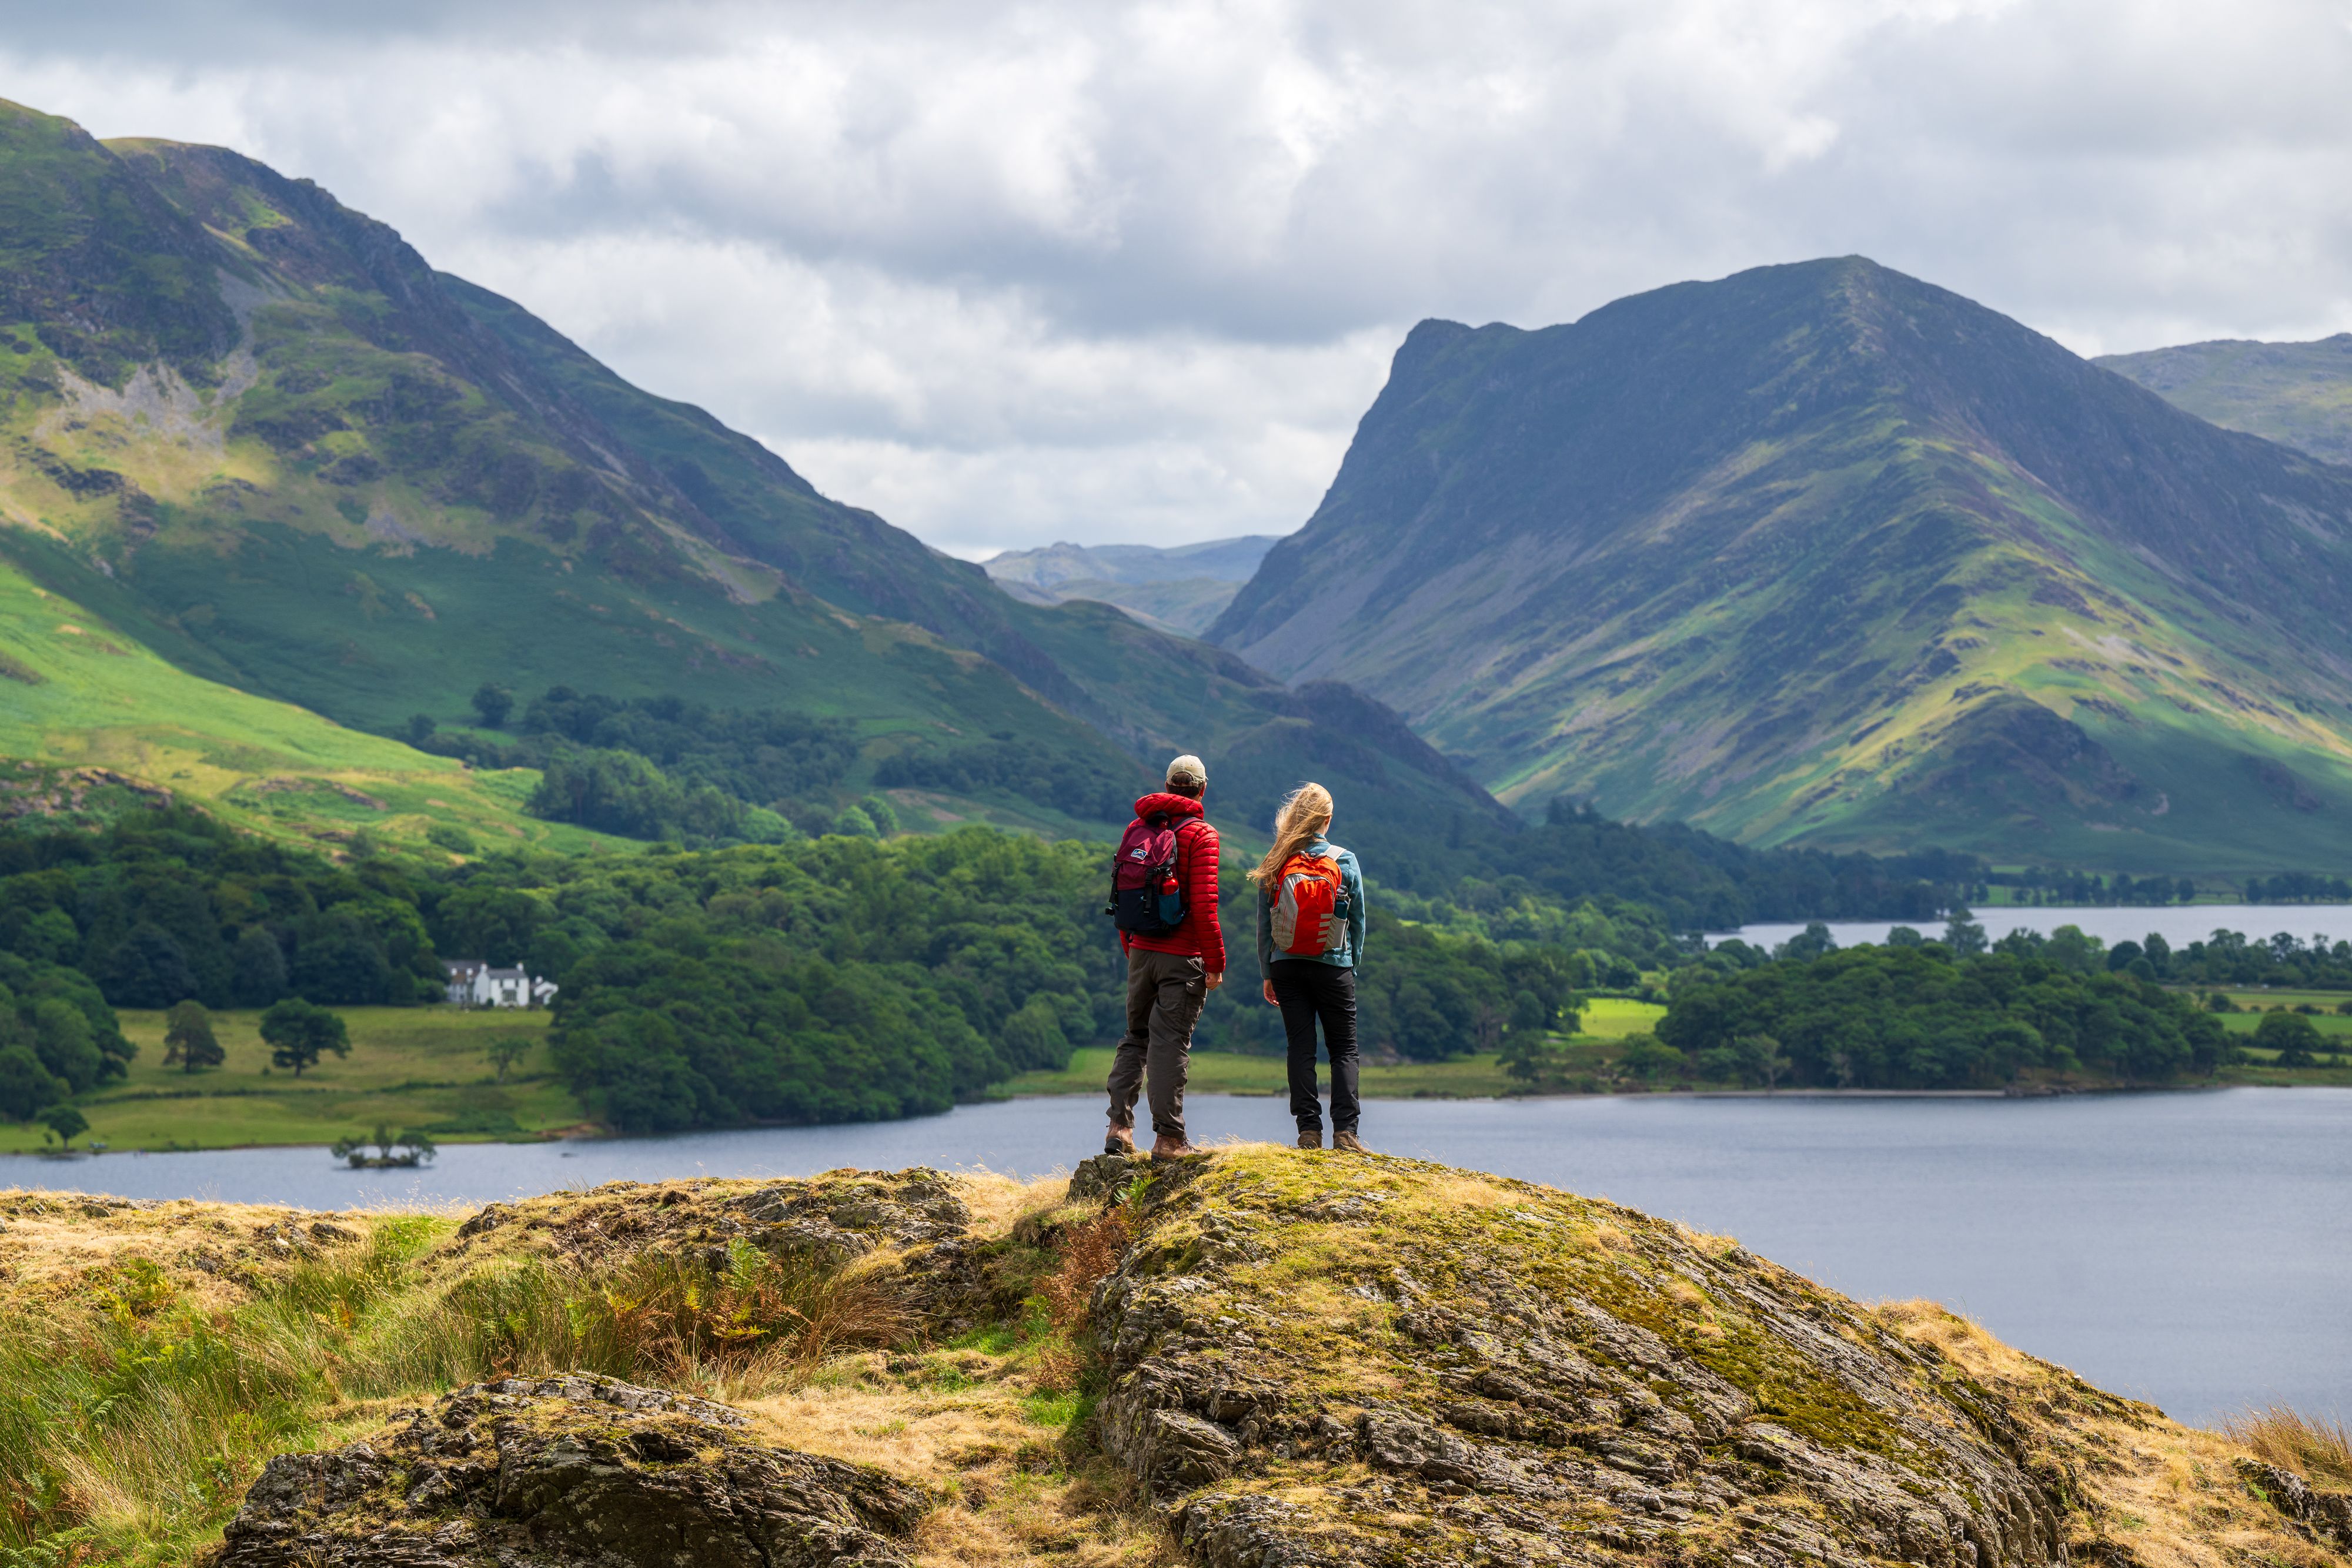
1306 811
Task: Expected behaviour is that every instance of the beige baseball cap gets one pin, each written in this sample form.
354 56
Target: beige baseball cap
1187 769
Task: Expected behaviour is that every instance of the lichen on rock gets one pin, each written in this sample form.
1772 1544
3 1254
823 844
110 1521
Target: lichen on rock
1376 1361
568 1472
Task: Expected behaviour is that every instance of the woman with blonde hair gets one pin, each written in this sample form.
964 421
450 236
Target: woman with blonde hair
1311 934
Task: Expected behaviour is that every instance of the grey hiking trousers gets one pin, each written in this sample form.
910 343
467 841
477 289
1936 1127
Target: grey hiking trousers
1165 993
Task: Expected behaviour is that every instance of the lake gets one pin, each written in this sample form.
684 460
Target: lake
2192 1248
2179 923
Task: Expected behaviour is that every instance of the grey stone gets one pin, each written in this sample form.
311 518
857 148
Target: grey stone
569 1473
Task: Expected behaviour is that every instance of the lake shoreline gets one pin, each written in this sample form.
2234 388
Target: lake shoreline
2120 1233
593 1136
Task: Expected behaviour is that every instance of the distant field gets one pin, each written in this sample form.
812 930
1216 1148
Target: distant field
1613 1018
2325 1001
409 1067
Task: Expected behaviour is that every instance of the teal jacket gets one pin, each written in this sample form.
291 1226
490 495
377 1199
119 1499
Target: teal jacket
1351 879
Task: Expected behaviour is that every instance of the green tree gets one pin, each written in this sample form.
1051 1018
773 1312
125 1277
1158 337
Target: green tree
2294 1037
66 1122
1811 943
506 1050
420 728
1963 936
298 1034
1761 1060
1533 1059
1647 1058
451 837
257 975
1528 1013
26 1085
188 1039
2070 948
492 703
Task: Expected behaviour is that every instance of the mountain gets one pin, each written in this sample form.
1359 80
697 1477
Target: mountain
1180 589
258 435
91 719
1823 553
2299 394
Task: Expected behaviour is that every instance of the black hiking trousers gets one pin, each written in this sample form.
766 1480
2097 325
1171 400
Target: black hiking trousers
1308 991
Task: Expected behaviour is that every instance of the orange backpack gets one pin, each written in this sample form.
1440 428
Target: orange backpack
1310 907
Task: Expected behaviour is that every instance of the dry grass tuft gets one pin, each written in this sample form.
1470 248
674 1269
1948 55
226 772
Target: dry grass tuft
1089 1251
2320 1450
998 1203
2158 1494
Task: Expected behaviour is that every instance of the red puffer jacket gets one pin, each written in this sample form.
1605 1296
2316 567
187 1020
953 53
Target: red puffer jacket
1196 860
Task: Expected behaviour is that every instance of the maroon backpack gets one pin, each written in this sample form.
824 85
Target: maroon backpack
1147 894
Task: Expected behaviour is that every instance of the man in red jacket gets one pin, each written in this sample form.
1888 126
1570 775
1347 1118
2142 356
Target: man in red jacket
1169 979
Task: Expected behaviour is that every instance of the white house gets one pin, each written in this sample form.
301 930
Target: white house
474 984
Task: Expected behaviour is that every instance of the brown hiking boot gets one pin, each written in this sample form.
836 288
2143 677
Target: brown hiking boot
1347 1145
1167 1148
1310 1137
1119 1141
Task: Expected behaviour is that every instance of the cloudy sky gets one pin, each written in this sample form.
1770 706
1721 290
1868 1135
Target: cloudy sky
1015 272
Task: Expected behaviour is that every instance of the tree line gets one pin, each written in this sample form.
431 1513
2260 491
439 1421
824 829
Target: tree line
1925 1016
665 768
845 977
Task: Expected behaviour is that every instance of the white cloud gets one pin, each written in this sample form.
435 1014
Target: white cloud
1018 271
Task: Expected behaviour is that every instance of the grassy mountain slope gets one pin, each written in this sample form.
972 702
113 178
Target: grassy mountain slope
84 708
261 435
1181 589
2298 394
1823 553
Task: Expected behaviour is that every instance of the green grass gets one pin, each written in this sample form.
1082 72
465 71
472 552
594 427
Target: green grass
156 1360
409 1068
82 694
1613 1018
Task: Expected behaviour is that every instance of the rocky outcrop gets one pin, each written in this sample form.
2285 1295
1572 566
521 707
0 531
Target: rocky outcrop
2327 1514
831 1218
568 1472
1382 1361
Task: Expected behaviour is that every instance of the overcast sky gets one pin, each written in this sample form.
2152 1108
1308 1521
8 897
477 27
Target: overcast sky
1015 272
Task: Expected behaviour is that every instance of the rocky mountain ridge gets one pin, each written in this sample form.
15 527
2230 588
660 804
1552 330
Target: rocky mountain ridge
2298 394
1823 553
254 432
1180 588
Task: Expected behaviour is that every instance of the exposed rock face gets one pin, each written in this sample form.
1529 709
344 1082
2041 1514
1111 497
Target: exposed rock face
831 1217
1382 1361
568 1472
2328 1514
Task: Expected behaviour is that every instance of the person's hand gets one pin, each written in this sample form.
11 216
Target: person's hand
1217 979
1267 990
